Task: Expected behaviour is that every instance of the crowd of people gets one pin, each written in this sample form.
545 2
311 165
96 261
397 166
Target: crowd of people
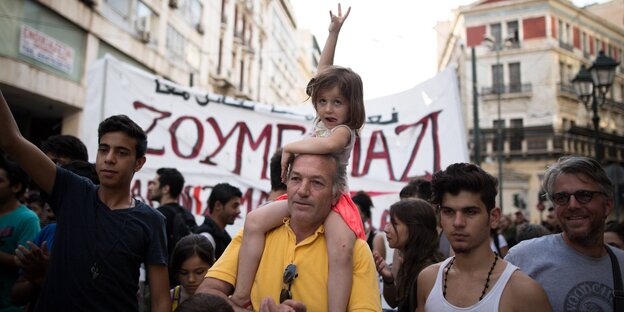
75 239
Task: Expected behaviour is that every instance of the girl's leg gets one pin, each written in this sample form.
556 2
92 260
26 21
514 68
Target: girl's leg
257 223
340 240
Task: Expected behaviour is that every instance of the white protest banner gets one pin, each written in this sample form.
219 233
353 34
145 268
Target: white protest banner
213 139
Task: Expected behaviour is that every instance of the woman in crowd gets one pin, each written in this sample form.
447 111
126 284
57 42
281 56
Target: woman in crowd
412 231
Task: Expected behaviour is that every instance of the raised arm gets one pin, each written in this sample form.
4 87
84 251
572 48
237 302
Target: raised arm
336 21
40 168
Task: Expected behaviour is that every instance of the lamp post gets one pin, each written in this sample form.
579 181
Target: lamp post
497 46
593 84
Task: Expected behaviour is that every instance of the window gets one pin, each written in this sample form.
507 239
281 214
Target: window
512 33
144 21
121 7
495 32
515 82
516 134
498 82
568 37
584 41
560 30
191 11
496 124
176 45
610 49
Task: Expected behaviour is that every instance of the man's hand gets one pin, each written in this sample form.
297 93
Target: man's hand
34 262
268 305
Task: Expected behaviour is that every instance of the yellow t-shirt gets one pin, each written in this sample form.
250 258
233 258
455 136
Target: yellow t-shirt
310 256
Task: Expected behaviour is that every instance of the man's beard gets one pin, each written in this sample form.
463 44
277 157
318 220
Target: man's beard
590 238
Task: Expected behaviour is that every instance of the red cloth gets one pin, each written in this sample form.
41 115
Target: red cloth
349 212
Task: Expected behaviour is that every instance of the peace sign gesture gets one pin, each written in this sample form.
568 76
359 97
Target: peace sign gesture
337 20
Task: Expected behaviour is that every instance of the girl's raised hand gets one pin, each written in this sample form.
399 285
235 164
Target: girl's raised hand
337 20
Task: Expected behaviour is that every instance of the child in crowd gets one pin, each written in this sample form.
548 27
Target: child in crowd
192 256
337 97
205 303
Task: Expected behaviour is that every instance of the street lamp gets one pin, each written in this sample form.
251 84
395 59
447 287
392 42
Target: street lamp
593 84
497 46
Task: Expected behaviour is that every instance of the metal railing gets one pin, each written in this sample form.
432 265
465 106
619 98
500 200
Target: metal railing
503 89
543 141
566 87
566 46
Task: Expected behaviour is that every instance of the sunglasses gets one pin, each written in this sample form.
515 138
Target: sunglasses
290 273
582 196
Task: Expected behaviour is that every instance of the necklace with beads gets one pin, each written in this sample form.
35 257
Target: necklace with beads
487 281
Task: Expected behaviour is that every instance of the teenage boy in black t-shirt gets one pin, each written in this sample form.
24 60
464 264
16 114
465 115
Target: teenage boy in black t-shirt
102 234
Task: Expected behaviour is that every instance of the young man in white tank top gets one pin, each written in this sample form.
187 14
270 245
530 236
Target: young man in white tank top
475 279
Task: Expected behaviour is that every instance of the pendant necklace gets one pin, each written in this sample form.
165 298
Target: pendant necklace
487 281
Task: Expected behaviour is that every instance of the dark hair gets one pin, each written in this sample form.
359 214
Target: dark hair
15 174
350 85
421 247
464 177
222 193
364 202
615 227
173 178
419 188
83 169
63 145
122 123
276 171
528 231
34 196
577 165
189 246
202 302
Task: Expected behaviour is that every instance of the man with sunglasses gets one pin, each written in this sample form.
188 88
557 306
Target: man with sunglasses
293 268
574 267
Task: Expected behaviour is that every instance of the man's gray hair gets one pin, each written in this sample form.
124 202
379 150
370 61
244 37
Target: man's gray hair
339 178
586 166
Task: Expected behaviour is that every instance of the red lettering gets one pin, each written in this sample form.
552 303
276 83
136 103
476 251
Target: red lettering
244 132
281 128
140 105
135 190
198 143
372 155
186 200
247 200
424 122
384 219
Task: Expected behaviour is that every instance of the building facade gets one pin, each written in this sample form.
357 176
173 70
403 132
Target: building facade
526 54
247 49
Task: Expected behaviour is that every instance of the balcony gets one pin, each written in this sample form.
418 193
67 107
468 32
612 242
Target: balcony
566 88
518 89
566 46
539 142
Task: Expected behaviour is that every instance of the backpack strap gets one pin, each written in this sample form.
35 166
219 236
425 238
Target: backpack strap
618 292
